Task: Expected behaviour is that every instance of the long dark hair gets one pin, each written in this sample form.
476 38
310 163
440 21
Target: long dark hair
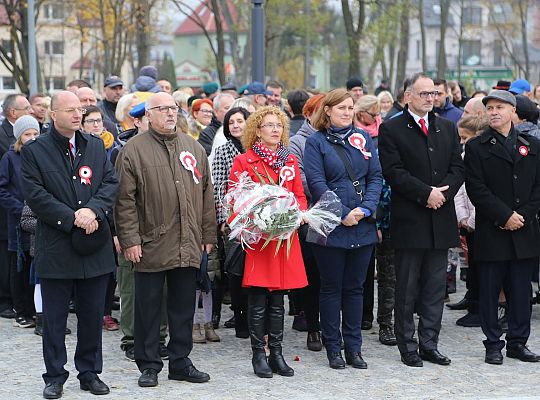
235 141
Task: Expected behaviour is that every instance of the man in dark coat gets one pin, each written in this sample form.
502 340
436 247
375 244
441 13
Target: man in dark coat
503 183
442 103
71 186
14 107
421 161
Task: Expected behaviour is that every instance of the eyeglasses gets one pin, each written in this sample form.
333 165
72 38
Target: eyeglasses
27 108
164 109
427 95
272 125
206 111
96 121
372 115
79 110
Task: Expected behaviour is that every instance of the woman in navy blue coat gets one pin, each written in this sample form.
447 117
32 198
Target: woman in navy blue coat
343 260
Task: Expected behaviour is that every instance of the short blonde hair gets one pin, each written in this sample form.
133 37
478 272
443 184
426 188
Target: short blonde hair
255 120
367 102
181 98
123 104
383 94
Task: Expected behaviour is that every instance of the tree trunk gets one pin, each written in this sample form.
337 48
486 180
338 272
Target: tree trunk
422 34
460 40
233 40
353 35
403 52
220 56
441 62
392 61
142 21
523 8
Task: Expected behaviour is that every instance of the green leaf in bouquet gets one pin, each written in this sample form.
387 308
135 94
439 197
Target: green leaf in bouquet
289 243
266 243
278 246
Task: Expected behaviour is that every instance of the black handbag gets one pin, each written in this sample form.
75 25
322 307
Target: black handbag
235 259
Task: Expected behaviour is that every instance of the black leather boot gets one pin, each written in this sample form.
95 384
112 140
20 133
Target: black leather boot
256 324
276 314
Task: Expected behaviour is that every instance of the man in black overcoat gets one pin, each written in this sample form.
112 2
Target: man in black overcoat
503 183
421 161
71 186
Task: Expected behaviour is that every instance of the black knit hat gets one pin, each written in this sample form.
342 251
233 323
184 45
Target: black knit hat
354 82
85 244
526 109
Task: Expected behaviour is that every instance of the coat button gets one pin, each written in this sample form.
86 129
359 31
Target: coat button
59 222
79 202
517 200
434 172
430 148
515 176
176 182
74 177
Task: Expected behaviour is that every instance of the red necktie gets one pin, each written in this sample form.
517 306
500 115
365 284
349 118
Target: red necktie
423 126
71 155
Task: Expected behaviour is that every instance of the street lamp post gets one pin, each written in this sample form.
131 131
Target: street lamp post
32 61
257 41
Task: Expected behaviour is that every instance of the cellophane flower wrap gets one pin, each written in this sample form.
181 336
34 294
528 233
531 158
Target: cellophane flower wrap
260 211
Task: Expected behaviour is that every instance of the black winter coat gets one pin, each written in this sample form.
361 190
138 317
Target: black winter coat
6 140
412 164
499 184
54 190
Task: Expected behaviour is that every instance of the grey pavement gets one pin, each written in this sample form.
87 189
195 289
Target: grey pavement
229 364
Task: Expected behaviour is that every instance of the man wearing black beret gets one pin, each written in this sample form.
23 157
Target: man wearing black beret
503 182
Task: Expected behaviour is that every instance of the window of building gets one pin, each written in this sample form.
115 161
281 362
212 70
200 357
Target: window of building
54 47
471 51
53 11
497 53
472 16
55 82
7 82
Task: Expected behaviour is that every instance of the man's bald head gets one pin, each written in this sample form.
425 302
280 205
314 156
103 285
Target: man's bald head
162 113
87 96
158 98
66 112
475 107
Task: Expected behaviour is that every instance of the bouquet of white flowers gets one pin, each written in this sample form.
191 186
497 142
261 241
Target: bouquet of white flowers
259 211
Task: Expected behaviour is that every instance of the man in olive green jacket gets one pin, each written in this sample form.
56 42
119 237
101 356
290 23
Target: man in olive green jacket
164 217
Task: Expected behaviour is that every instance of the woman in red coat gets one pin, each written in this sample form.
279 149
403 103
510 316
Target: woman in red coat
266 273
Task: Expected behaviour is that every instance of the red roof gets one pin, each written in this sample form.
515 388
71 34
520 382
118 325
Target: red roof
204 16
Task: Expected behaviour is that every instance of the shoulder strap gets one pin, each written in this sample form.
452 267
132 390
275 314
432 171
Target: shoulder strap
348 167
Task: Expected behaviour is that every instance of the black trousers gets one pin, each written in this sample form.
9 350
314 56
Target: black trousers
90 298
420 281
5 291
109 295
307 299
515 277
181 286
472 275
22 292
369 291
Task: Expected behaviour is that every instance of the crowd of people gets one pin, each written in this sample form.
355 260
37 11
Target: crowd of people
118 203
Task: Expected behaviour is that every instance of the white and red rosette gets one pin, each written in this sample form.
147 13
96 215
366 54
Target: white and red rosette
286 174
358 141
189 162
85 173
523 150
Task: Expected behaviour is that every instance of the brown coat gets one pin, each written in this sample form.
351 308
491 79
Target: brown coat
159 204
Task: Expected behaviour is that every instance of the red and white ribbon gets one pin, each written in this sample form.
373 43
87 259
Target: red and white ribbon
286 174
523 150
189 162
358 141
85 173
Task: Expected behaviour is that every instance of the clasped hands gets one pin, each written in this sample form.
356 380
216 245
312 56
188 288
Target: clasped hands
436 198
85 219
515 222
353 217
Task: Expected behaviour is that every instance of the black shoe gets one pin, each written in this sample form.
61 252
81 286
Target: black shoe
241 333
463 304
336 361
277 363
387 336
300 323
494 356
95 386
260 364
367 325
163 351
355 360
148 378
411 359
314 341
469 321
229 323
190 374
521 352
215 320
53 390
8 313
24 322
434 356
130 353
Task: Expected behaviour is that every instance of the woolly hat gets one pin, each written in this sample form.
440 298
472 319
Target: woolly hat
354 82
23 123
149 70
526 109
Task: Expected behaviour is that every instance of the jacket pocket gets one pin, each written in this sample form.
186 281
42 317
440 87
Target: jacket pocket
151 235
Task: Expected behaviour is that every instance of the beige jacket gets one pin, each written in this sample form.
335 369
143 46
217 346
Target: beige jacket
161 204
